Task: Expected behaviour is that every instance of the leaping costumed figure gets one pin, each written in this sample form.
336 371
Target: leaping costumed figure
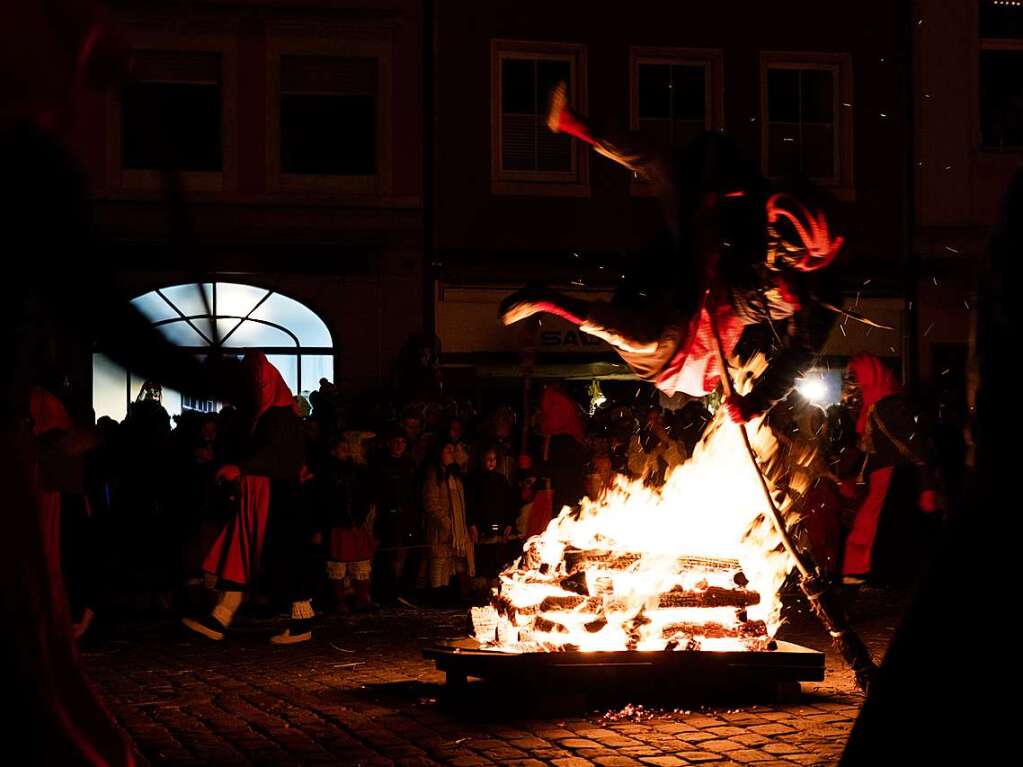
747 257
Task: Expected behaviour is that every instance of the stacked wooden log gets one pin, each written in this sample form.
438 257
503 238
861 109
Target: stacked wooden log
576 597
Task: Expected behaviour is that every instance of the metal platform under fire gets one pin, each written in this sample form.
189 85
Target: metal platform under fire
673 670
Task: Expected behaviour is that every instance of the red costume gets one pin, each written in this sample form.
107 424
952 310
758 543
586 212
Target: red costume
562 462
886 539
235 554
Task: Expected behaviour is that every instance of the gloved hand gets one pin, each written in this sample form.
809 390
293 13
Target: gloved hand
929 501
229 473
739 409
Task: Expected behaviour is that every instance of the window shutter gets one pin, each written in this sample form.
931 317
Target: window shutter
518 149
553 150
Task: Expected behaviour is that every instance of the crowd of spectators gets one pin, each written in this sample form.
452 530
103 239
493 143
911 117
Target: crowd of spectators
421 500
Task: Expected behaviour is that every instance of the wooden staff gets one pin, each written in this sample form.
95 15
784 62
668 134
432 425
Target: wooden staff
825 603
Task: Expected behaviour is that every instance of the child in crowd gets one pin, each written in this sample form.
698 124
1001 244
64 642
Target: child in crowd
343 498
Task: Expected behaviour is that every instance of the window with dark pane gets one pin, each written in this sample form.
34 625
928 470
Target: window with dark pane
328 115
171 113
817 117
527 144
672 103
1000 20
801 122
1001 98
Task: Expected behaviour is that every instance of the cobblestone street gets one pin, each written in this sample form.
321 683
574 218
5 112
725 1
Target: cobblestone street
360 693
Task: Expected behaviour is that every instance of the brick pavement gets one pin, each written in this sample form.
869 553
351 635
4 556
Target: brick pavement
360 694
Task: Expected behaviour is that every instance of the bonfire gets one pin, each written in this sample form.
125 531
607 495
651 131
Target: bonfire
696 564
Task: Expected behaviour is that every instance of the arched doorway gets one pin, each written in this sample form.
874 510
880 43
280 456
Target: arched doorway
246 318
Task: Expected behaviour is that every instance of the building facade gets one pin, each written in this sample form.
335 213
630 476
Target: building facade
385 165
802 89
294 133
969 145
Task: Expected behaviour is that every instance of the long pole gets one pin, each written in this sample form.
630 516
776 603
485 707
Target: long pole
824 602
802 565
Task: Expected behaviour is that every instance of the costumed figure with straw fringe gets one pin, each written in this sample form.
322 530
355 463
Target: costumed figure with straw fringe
271 529
744 276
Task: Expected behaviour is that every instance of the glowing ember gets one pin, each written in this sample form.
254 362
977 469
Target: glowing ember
695 565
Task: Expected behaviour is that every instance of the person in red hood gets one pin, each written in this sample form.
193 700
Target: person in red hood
743 255
898 485
563 462
268 473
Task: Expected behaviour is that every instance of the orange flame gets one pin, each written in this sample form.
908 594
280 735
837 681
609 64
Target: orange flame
694 564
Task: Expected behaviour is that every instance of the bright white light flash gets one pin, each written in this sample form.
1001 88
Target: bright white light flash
814 389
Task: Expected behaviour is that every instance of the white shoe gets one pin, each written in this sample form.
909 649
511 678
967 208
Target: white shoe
208 626
286 637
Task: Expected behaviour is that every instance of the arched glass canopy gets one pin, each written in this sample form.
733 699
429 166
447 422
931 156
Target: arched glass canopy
240 317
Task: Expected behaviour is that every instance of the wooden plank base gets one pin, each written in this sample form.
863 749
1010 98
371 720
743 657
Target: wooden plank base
680 673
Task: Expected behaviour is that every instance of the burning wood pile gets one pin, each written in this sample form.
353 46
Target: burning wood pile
705 608
694 565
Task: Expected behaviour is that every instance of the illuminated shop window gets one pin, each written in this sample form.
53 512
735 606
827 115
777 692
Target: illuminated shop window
246 318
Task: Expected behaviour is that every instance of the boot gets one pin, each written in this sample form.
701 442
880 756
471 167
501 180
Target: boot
300 627
298 630
215 625
561 118
207 625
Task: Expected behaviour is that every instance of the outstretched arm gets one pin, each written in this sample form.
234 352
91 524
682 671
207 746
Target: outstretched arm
805 335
